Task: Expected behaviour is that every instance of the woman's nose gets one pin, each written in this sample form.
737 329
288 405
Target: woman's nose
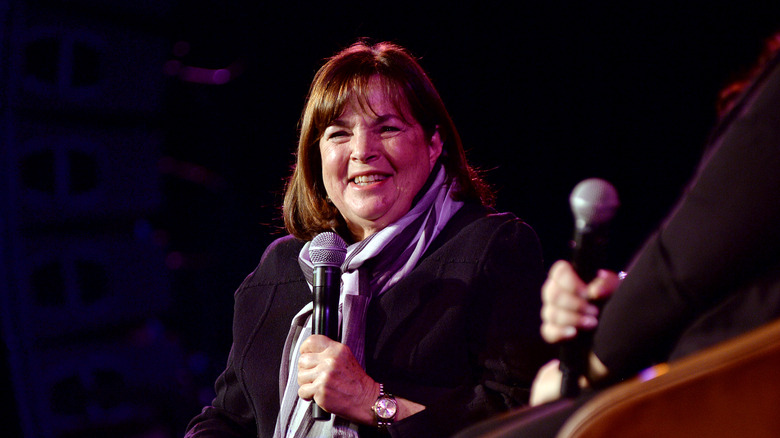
365 147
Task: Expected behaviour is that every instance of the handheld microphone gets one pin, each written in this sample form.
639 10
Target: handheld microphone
327 252
593 203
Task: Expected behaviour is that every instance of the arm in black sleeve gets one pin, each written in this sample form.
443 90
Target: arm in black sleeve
229 414
247 392
723 232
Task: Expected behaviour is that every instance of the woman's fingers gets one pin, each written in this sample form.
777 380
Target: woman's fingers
565 308
562 277
603 285
329 374
566 301
553 334
315 361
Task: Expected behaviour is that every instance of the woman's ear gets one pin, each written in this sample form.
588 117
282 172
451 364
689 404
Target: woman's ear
435 147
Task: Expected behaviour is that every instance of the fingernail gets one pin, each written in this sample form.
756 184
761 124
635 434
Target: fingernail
569 331
590 309
588 321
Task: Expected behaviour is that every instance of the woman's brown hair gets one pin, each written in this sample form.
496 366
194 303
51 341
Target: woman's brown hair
343 77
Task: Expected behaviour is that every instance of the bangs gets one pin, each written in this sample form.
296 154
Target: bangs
338 94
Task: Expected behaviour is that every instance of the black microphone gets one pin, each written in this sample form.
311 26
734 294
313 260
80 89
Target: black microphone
593 203
327 252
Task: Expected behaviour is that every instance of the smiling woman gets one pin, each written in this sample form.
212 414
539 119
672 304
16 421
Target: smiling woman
439 294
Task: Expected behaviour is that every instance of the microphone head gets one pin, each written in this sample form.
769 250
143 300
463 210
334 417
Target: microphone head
327 249
593 202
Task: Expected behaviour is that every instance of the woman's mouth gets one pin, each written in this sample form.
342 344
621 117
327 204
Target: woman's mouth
364 180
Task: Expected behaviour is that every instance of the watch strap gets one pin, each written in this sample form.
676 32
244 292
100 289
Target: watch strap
383 423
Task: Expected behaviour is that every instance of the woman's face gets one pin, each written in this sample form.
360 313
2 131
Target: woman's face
374 163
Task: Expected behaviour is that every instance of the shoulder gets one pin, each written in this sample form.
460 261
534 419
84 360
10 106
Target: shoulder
277 275
476 229
279 263
478 223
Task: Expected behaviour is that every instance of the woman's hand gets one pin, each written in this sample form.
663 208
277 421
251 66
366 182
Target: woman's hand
329 373
547 383
565 301
546 386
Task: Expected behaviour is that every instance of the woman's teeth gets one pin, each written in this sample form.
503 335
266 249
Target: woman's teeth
368 179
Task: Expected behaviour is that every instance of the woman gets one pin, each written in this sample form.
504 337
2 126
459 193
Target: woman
439 299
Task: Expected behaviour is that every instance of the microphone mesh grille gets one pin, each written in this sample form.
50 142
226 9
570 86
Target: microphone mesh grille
594 201
327 249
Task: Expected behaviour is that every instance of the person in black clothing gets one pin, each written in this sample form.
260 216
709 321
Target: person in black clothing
709 273
439 301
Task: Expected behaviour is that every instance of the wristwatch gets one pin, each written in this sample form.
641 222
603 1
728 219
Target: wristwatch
385 408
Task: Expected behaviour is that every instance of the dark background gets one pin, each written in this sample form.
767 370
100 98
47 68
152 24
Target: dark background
544 94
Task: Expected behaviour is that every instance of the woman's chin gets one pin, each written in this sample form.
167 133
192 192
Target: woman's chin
369 224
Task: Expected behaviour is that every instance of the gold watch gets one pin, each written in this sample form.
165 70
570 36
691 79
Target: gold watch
385 408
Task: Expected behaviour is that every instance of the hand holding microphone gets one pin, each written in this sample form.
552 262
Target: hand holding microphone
327 252
593 203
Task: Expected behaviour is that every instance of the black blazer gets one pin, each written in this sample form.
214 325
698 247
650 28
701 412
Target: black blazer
459 334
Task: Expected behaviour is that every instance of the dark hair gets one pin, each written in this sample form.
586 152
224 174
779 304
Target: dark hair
343 77
728 96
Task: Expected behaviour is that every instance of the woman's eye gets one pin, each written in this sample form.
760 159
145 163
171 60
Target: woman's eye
337 134
389 128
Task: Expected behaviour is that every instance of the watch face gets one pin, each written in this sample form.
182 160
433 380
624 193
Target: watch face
386 408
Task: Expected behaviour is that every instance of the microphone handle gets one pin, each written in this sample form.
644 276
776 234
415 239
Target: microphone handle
588 257
325 317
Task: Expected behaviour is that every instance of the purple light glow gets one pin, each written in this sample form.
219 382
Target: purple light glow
201 75
653 372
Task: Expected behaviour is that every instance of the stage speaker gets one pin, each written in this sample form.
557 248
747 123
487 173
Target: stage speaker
119 386
84 65
84 290
76 284
64 172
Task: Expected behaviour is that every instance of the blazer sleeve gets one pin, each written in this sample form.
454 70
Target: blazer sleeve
722 233
247 392
229 414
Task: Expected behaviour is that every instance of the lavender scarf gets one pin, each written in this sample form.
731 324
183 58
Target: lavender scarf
372 266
